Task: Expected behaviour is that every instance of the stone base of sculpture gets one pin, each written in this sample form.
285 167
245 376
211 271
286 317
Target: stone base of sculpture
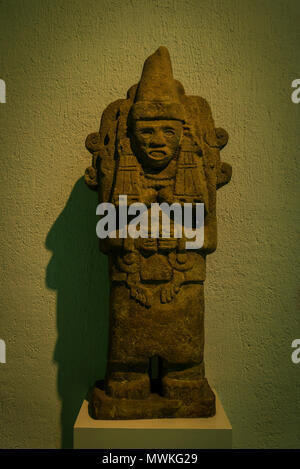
176 433
189 399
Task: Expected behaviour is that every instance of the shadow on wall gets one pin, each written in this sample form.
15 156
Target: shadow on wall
78 271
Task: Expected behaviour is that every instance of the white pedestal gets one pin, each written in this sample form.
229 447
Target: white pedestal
195 433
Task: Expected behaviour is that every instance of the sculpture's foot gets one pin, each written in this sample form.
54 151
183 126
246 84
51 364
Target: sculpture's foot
128 385
105 407
185 401
196 397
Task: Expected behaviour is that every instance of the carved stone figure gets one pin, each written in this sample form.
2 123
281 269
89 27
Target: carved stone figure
157 145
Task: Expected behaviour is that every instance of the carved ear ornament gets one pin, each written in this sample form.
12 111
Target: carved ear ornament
221 136
92 142
93 145
91 177
224 174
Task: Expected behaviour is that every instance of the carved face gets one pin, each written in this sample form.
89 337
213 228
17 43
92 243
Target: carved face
157 141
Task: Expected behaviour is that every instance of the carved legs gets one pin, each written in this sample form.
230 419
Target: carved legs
184 393
128 385
173 333
191 388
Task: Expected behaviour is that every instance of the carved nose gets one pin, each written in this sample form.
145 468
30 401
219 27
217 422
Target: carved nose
157 140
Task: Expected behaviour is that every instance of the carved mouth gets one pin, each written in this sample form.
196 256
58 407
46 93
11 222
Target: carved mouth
158 153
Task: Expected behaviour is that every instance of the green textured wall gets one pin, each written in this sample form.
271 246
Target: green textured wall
63 61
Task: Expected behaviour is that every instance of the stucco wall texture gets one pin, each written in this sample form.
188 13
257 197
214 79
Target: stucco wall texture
63 62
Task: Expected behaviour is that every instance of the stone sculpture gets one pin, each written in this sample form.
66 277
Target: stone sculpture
157 145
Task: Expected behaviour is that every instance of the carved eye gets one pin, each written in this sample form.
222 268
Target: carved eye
169 132
146 132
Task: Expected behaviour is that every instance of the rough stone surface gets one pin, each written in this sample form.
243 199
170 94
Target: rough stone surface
158 145
194 398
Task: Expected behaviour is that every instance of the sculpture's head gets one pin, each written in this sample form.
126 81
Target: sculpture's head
157 114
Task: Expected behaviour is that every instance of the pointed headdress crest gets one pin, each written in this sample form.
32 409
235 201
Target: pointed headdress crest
158 94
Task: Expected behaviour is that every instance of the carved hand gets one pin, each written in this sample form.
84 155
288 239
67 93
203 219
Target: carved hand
146 244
